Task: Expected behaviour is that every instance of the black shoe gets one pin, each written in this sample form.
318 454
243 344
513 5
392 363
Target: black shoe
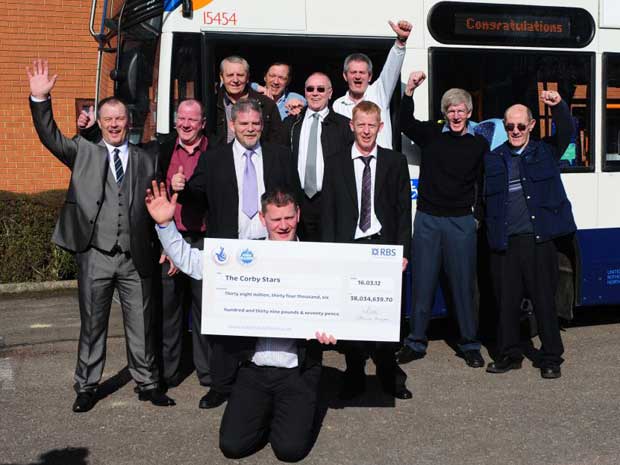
551 372
213 399
503 365
173 381
352 387
406 354
84 402
402 393
473 358
156 397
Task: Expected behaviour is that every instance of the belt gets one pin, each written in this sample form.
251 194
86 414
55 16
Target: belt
116 250
374 237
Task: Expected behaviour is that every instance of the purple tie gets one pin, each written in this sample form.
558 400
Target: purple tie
250 186
366 191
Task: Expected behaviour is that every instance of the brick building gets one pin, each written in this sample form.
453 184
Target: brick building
56 30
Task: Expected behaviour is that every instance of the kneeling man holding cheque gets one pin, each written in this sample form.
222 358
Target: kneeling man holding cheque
275 395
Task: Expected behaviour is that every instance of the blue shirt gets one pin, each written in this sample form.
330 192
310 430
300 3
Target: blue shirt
282 101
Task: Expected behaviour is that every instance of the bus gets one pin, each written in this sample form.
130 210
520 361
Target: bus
502 52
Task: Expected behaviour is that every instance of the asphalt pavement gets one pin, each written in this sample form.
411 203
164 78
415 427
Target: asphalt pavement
458 415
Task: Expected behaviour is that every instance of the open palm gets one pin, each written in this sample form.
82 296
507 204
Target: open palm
40 82
159 207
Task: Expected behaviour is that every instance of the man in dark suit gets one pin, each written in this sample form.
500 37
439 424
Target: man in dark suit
316 134
367 199
105 223
235 86
229 180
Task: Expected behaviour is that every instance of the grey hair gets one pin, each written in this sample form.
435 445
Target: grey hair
357 57
456 96
245 106
235 59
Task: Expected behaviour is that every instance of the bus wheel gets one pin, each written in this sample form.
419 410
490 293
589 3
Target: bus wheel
565 295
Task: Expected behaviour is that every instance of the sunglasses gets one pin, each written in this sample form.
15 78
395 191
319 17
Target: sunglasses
319 89
510 127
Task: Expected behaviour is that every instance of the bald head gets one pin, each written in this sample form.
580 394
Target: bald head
318 91
518 122
518 108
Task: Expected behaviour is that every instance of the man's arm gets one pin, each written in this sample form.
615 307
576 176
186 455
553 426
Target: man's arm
390 74
561 117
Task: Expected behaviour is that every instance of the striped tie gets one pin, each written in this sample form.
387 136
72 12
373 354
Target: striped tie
118 167
366 191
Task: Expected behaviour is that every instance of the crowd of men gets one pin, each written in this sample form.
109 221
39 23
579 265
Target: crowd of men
287 167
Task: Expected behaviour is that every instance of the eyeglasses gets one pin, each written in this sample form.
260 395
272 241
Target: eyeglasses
511 126
319 89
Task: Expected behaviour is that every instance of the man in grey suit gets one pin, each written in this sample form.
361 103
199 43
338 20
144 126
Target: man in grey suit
104 222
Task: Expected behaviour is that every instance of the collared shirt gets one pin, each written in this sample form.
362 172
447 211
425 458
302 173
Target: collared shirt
274 352
358 166
249 228
186 219
379 92
304 137
123 155
470 128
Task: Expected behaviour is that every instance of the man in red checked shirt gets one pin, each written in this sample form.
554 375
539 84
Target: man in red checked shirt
178 155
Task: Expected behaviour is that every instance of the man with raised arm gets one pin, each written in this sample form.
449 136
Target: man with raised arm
104 222
526 208
274 398
357 72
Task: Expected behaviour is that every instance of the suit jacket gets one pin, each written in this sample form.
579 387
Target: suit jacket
89 165
273 131
392 199
336 134
214 184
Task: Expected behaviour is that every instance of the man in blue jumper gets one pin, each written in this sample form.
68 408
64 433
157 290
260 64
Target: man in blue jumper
526 209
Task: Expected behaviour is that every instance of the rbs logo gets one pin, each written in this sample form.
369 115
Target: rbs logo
383 252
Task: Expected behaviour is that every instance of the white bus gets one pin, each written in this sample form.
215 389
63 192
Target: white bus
501 51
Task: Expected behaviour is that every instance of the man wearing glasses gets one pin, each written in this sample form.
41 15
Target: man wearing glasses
526 209
444 234
316 134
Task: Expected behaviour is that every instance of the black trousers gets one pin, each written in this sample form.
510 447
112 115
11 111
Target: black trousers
275 405
180 292
527 268
310 219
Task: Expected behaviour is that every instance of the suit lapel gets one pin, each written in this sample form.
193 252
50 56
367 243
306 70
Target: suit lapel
230 173
349 181
268 166
380 175
133 166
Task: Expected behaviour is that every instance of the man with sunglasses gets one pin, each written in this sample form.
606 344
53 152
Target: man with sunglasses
444 233
315 135
526 209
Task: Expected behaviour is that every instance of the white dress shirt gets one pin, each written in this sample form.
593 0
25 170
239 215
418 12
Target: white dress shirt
303 148
249 228
273 352
358 166
379 92
123 155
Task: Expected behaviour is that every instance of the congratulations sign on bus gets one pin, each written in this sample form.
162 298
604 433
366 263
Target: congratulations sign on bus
511 26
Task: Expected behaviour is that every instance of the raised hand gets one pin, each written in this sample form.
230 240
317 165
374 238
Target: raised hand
402 29
550 97
159 207
416 78
86 119
40 82
178 180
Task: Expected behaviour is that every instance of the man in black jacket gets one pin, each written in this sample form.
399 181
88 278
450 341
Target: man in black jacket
444 230
235 86
315 135
367 199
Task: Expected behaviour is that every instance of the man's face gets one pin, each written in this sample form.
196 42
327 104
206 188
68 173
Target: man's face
518 126
247 127
365 127
234 77
281 222
276 80
189 122
318 92
457 116
357 77
113 123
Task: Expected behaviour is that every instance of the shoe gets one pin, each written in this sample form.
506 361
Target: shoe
503 365
156 397
551 372
84 402
406 354
403 393
173 381
352 387
473 358
213 399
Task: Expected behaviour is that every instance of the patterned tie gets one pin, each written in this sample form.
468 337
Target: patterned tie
249 204
118 167
366 191
310 184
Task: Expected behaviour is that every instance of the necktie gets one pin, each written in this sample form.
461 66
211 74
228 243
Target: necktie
366 191
310 184
249 204
118 167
